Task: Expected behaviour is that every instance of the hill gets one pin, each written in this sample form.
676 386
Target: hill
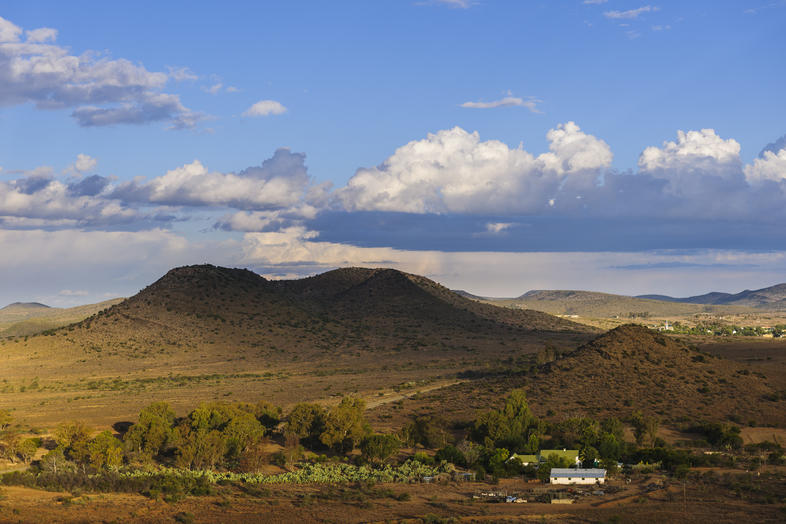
330 313
605 305
203 331
24 306
24 319
632 367
628 368
771 298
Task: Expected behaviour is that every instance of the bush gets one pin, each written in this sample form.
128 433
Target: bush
423 458
451 454
379 447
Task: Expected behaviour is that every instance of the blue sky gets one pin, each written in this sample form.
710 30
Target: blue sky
609 145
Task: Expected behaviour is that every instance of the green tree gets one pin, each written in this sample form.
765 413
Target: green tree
430 431
216 432
73 434
614 427
242 431
609 447
200 449
497 460
55 462
639 427
345 425
512 426
588 455
154 431
651 429
306 422
552 461
105 451
267 414
26 449
5 419
73 437
379 448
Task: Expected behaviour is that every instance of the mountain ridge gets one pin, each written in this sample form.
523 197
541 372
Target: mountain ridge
773 297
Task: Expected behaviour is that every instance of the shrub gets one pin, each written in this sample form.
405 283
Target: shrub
380 447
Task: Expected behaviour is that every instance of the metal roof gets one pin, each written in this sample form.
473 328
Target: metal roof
577 472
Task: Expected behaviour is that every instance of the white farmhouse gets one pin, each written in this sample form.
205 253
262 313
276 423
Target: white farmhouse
577 476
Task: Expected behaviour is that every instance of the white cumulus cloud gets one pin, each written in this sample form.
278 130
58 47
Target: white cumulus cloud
453 171
770 166
693 151
265 108
84 163
702 168
281 181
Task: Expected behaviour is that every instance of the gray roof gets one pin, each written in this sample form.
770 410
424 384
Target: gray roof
577 472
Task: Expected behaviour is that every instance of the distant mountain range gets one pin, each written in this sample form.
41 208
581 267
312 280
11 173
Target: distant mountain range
773 297
606 305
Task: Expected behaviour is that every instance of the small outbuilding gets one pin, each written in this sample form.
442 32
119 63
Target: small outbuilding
577 476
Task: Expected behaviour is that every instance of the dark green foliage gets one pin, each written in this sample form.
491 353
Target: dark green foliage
267 414
644 428
378 448
453 455
166 486
424 458
306 422
430 431
552 461
345 425
216 432
105 451
720 435
154 433
513 427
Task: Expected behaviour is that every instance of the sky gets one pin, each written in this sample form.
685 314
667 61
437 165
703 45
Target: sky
494 146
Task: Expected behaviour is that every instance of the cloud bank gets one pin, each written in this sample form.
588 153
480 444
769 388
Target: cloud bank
444 206
100 90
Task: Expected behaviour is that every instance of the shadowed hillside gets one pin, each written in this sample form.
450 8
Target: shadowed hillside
340 310
632 368
400 299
